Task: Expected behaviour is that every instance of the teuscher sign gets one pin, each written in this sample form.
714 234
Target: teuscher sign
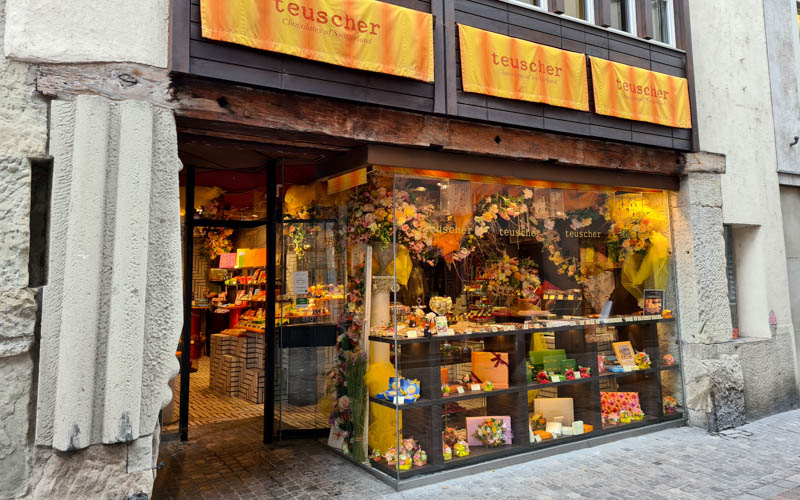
360 34
639 94
508 67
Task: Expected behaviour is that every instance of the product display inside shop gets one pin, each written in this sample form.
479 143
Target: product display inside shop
485 317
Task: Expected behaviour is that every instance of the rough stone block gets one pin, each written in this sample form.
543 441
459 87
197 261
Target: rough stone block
726 393
17 321
16 374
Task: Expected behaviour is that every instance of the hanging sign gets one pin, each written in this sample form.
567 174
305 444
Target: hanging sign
360 34
502 66
639 94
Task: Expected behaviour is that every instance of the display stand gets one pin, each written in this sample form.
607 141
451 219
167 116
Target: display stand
420 359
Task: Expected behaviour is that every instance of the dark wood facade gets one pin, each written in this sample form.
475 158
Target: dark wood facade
194 55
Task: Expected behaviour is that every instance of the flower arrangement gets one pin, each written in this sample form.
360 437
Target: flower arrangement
345 382
447 452
377 210
391 456
668 360
404 460
461 448
625 416
538 422
420 458
297 234
585 371
569 374
642 360
376 455
492 432
670 405
450 436
542 378
511 276
488 386
633 224
612 418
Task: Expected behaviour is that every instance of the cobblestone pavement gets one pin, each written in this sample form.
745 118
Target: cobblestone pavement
758 460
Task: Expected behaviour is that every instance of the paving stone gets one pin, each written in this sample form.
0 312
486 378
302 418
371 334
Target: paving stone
673 464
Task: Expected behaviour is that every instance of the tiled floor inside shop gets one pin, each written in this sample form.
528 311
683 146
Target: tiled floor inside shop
207 406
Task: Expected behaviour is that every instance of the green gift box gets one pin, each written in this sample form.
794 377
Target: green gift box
552 364
537 357
568 364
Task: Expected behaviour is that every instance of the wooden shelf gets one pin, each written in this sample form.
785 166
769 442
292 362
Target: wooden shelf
534 386
477 335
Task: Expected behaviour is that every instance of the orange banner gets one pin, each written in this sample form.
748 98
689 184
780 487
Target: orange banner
508 67
360 34
638 94
347 181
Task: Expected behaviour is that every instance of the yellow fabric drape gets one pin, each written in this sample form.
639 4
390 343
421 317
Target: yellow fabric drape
382 428
404 265
654 263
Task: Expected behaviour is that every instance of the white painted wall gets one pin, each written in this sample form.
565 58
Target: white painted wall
79 31
735 118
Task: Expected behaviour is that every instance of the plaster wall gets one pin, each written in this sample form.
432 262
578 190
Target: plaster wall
23 134
77 31
735 118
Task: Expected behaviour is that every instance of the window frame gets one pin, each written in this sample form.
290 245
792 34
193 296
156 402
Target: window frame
589 13
519 3
670 42
631 21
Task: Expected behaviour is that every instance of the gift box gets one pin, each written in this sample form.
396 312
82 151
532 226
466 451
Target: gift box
492 366
537 357
550 408
618 402
474 422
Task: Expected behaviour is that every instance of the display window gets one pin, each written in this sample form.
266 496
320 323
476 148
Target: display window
481 317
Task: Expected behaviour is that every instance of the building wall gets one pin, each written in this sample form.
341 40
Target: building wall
76 31
23 134
735 118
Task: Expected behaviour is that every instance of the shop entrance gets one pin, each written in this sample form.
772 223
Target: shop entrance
246 261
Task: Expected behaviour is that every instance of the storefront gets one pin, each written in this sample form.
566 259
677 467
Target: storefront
457 264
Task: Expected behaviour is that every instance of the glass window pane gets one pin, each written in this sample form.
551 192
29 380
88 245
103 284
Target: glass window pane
660 21
619 15
575 8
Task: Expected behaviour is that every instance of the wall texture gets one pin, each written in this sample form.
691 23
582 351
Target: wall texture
23 134
77 31
731 67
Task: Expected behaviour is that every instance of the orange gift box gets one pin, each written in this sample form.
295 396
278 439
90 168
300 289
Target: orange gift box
490 366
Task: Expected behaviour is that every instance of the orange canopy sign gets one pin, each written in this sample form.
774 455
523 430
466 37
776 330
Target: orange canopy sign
508 67
638 94
360 34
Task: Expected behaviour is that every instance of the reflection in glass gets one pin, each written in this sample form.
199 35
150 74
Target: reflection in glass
660 20
619 15
575 8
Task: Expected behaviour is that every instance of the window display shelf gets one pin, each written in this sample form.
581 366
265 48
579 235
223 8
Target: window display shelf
548 385
477 335
391 470
628 374
482 454
648 419
671 367
480 394
421 402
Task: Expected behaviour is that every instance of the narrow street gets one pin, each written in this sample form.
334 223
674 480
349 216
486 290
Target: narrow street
758 460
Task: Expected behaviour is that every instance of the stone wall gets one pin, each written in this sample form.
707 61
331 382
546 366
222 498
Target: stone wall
23 134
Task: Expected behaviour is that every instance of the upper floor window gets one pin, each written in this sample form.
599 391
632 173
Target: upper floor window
581 9
542 4
663 21
623 15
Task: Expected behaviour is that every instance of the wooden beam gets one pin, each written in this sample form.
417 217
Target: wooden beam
331 119
113 81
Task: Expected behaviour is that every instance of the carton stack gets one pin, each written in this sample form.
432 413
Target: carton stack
237 365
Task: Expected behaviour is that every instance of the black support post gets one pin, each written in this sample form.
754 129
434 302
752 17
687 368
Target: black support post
186 349
269 331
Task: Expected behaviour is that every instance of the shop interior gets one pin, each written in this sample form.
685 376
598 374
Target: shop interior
472 316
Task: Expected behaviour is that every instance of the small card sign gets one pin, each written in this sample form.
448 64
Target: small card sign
460 389
441 325
475 387
412 334
300 282
301 302
653 302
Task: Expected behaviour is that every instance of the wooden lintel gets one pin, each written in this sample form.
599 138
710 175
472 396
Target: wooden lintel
328 118
391 156
116 81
